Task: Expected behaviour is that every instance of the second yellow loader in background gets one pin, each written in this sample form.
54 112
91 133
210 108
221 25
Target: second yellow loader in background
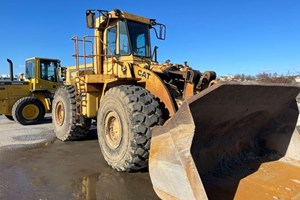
28 99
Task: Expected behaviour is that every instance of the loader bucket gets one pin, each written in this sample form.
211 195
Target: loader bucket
231 141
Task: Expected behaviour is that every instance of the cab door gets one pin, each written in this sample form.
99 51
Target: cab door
117 45
110 49
47 77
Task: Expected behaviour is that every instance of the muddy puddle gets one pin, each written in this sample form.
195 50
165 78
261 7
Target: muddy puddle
72 170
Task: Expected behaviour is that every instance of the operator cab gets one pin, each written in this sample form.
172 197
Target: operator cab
42 68
133 37
125 34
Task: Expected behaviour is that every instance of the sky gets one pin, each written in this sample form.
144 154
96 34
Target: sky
229 37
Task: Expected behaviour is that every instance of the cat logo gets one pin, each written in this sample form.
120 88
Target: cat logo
144 74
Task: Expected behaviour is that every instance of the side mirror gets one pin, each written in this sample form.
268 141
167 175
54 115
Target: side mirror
161 34
90 19
91 16
162 31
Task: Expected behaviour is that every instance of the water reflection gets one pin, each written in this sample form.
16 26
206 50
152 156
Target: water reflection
111 185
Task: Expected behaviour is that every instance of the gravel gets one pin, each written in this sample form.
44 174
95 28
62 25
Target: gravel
16 136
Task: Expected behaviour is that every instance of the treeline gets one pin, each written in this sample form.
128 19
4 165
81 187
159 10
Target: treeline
266 77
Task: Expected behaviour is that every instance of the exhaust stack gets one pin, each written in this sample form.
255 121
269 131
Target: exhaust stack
11 69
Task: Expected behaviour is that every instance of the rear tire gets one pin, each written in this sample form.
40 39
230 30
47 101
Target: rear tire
28 110
124 119
64 116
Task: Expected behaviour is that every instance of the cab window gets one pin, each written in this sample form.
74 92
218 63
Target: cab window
139 37
124 41
111 37
29 72
48 70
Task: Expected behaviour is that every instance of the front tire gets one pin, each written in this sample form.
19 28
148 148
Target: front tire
28 110
64 116
124 119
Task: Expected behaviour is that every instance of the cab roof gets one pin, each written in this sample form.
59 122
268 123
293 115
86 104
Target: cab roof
118 14
39 58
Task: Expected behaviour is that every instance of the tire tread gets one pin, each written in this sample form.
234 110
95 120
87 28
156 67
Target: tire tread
75 131
146 113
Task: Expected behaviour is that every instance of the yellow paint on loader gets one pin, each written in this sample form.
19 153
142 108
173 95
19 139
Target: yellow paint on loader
219 140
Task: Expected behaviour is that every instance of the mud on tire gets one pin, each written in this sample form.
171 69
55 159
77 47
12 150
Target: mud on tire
124 119
64 113
28 110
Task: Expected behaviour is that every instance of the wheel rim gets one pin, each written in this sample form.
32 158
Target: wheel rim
30 112
113 131
60 113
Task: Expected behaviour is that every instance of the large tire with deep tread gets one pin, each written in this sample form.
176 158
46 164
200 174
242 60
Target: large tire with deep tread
65 126
28 110
135 110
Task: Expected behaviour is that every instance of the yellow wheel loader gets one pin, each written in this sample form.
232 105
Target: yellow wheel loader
28 99
204 139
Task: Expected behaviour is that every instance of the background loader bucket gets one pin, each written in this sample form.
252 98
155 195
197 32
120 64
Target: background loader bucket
231 141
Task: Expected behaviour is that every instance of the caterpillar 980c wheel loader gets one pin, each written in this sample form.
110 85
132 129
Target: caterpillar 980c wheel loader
28 99
206 139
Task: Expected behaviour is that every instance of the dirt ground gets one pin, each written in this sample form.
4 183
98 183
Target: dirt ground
72 170
76 170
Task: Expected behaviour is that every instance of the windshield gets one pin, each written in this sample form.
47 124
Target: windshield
139 37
